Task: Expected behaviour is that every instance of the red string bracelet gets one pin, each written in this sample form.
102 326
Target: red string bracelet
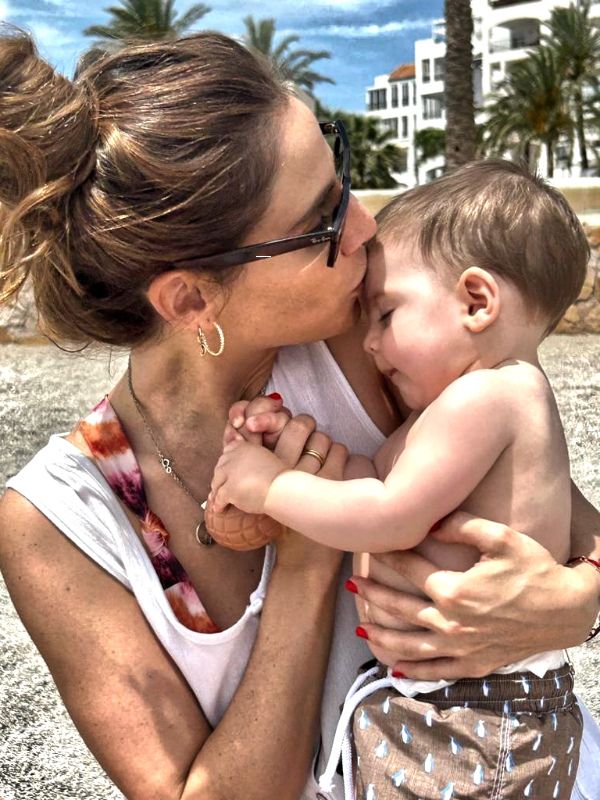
593 563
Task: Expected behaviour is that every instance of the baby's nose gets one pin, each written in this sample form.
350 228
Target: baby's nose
371 341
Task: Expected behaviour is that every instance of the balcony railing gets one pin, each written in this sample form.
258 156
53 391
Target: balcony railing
433 113
502 3
515 42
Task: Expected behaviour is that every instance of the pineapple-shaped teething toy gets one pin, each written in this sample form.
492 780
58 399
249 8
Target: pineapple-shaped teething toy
240 531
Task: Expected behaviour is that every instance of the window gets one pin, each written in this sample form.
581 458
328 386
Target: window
433 106
402 159
414 93
426 66
405 127
377 99
394 95
405 90
438 69
390 125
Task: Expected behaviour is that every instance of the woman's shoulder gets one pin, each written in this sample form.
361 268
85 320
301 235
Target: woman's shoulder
63 460
61 493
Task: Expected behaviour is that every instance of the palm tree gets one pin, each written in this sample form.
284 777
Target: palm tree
591 110
458 88
530 107
374 157
293 65
575 39
429 143
145 20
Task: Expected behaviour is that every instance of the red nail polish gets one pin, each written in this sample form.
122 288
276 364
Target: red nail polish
360 631
275 396
397 674
351 586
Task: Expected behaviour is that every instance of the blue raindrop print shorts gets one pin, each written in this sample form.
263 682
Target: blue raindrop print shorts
501 737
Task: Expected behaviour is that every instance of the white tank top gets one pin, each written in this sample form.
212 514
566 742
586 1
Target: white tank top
70 491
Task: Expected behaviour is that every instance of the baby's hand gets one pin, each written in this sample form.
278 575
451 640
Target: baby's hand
259 421
243 476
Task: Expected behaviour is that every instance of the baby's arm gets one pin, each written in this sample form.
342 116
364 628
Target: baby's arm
447 454
245 472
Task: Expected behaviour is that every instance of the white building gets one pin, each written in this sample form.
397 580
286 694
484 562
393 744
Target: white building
503 32
430 67
393 100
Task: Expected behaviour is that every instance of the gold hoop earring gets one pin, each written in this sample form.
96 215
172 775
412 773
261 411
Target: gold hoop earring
203 342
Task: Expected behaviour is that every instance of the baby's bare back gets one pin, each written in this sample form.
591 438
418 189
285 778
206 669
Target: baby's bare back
527 488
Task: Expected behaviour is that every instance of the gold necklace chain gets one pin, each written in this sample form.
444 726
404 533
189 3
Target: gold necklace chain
202 536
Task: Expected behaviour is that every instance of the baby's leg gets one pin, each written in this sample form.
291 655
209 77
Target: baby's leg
446 750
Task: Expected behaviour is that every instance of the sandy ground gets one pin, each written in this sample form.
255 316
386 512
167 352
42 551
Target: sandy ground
42 391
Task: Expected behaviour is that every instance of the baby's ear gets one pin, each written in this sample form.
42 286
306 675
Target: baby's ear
479 295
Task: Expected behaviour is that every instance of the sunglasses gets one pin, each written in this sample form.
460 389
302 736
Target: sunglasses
275 247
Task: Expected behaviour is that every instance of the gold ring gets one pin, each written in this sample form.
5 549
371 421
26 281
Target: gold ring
314 454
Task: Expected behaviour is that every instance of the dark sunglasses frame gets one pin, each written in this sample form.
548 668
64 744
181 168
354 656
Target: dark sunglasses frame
275 247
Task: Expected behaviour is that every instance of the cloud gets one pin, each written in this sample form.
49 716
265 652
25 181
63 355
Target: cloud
367 31
60 9
275 8
49 37
347 5
35 10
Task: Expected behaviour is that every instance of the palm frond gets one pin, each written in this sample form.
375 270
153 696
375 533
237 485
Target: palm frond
146 20
292 65
191 16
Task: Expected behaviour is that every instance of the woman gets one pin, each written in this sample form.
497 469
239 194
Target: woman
126 198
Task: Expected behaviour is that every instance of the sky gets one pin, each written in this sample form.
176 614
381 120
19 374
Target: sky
365 37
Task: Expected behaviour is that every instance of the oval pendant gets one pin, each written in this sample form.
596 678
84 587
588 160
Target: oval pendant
203 537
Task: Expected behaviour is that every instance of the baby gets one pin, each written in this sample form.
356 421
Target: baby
466 278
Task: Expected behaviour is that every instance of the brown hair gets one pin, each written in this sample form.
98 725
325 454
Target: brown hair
156 153
496 215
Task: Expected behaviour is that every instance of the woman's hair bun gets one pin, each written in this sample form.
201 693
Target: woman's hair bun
154 154
48 135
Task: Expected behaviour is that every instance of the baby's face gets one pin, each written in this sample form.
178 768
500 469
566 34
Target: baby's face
414 323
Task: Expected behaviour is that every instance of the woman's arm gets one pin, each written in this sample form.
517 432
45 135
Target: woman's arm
131 704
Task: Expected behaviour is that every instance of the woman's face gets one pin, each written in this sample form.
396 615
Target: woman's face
295 297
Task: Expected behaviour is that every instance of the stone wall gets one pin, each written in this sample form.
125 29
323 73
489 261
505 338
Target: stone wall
584 315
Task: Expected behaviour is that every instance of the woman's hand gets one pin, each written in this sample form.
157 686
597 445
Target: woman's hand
515 602
293 549
265 420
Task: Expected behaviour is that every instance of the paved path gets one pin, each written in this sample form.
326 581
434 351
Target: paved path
41 391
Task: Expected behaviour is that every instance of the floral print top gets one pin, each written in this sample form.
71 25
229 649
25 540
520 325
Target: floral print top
114 457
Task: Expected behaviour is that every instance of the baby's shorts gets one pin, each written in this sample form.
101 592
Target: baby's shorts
494 738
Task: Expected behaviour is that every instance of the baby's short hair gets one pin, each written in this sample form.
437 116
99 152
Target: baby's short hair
497 215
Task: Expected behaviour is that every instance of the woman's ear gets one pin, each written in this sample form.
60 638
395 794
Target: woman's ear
181 299
479 295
